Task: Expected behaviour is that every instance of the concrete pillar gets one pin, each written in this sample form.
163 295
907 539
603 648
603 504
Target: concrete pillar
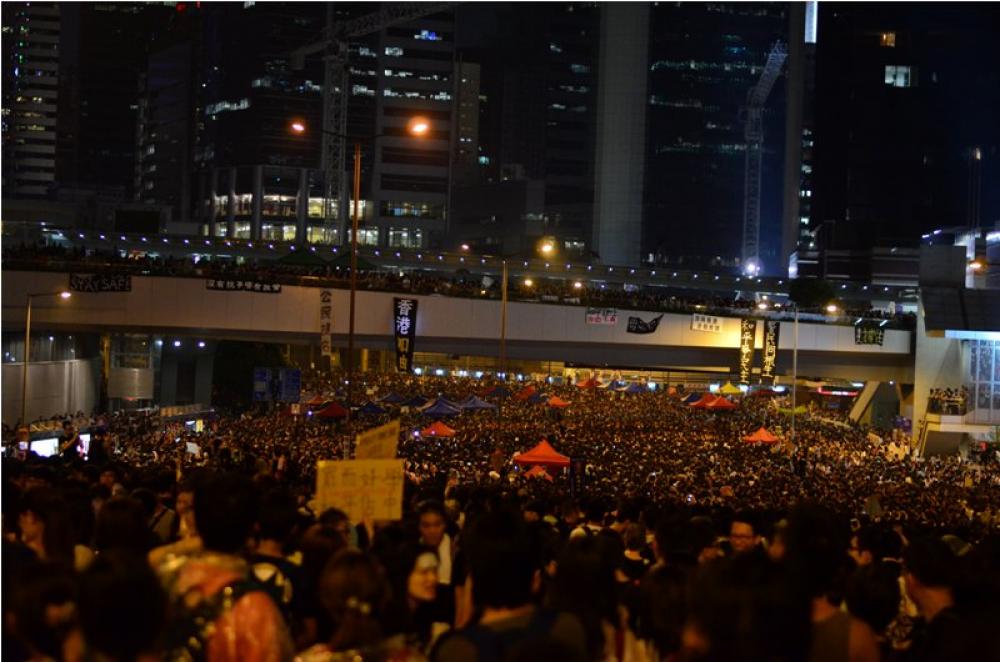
258 202
937 364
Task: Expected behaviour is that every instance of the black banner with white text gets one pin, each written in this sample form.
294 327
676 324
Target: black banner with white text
772 329
748 334
404 322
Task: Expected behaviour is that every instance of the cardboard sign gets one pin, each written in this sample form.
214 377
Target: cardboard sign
378 443
367 490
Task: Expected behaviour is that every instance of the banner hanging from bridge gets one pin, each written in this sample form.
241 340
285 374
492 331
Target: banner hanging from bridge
868 334
709 323
604 316
242 285
638 325
404 322
100 282
326 322
748 333
770 358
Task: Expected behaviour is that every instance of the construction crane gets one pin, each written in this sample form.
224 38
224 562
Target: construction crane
334 47
754 136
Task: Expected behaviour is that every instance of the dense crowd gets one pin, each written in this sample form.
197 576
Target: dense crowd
424 282
948 401
678 540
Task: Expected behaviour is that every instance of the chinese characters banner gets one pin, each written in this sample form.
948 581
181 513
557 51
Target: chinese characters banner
404 316
326 322
770 358
867 334
748 333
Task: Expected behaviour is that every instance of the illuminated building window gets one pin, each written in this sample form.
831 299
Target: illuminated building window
411 209
427 35
405 237
887 40
393 51
899 76
321 234
366 236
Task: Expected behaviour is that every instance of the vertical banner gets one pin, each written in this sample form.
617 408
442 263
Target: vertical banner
326 322
770 358
748 333
404 322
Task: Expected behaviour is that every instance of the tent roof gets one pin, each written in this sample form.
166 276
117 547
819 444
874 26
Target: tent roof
525 392
437 429
721 403
498 390
317 399
690 398
556 401
332 410
589 383
371 408
705 400
730 389
392 398
761 435
416 401
543 454
441 407
538 471
473 402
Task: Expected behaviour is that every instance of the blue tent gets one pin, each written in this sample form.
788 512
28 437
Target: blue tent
694 397
474 403
498 392
441 407
635 387
538 398
392 398
371 408
416 401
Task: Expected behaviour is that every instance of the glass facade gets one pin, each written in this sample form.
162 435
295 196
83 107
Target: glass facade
984 381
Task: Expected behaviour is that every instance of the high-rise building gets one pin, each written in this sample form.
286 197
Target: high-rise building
31 43
704 58
906 122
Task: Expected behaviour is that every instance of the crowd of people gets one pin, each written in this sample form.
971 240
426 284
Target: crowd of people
948 401
676 539
424 282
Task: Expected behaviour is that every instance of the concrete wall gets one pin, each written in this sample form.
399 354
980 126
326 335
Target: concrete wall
535 331
938 364
54 388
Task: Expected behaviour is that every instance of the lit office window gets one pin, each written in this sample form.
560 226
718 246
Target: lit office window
887 40
899 76
405 237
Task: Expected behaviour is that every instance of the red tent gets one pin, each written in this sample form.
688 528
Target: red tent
525 393
543 454
761 436
559 403
437 429
721 403
332 410
704 402
538 471
589 383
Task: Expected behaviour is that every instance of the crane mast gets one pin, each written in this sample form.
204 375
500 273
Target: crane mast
754 137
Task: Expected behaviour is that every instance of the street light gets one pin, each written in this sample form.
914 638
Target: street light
831 308
417 126
27 346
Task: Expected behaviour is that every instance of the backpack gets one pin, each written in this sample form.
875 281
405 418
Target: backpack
190 628
495 646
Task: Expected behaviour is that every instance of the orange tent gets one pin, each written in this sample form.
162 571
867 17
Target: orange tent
761 436
437 429
538 471
332 410
556 401
543 454
721 403
704 402
525 393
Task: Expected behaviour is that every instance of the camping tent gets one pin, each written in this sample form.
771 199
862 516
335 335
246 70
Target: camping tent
498 392
538 471
690 398
538 398
761 436
721 403
635 387
371 408
704 401
730 389
416 401
441 407
543 454
392 398
332 411
437 429
525 393
557 402
473 403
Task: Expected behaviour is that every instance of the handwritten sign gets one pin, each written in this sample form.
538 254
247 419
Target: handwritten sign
603 316
367 490
378 443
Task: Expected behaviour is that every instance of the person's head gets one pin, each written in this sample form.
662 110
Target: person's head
585 583
184 504
338 520
873 595
929 569
432 522
421 584
45 523
122 606
121 525
276 515
68 427
224 511
503 560
743 535
44 608
147 499
109 477
816 541
354 592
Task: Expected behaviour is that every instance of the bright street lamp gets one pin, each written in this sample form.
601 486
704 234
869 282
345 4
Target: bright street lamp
528 282
831 308
27 346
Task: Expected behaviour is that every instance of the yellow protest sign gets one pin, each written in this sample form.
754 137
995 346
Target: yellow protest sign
364 489
378 443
